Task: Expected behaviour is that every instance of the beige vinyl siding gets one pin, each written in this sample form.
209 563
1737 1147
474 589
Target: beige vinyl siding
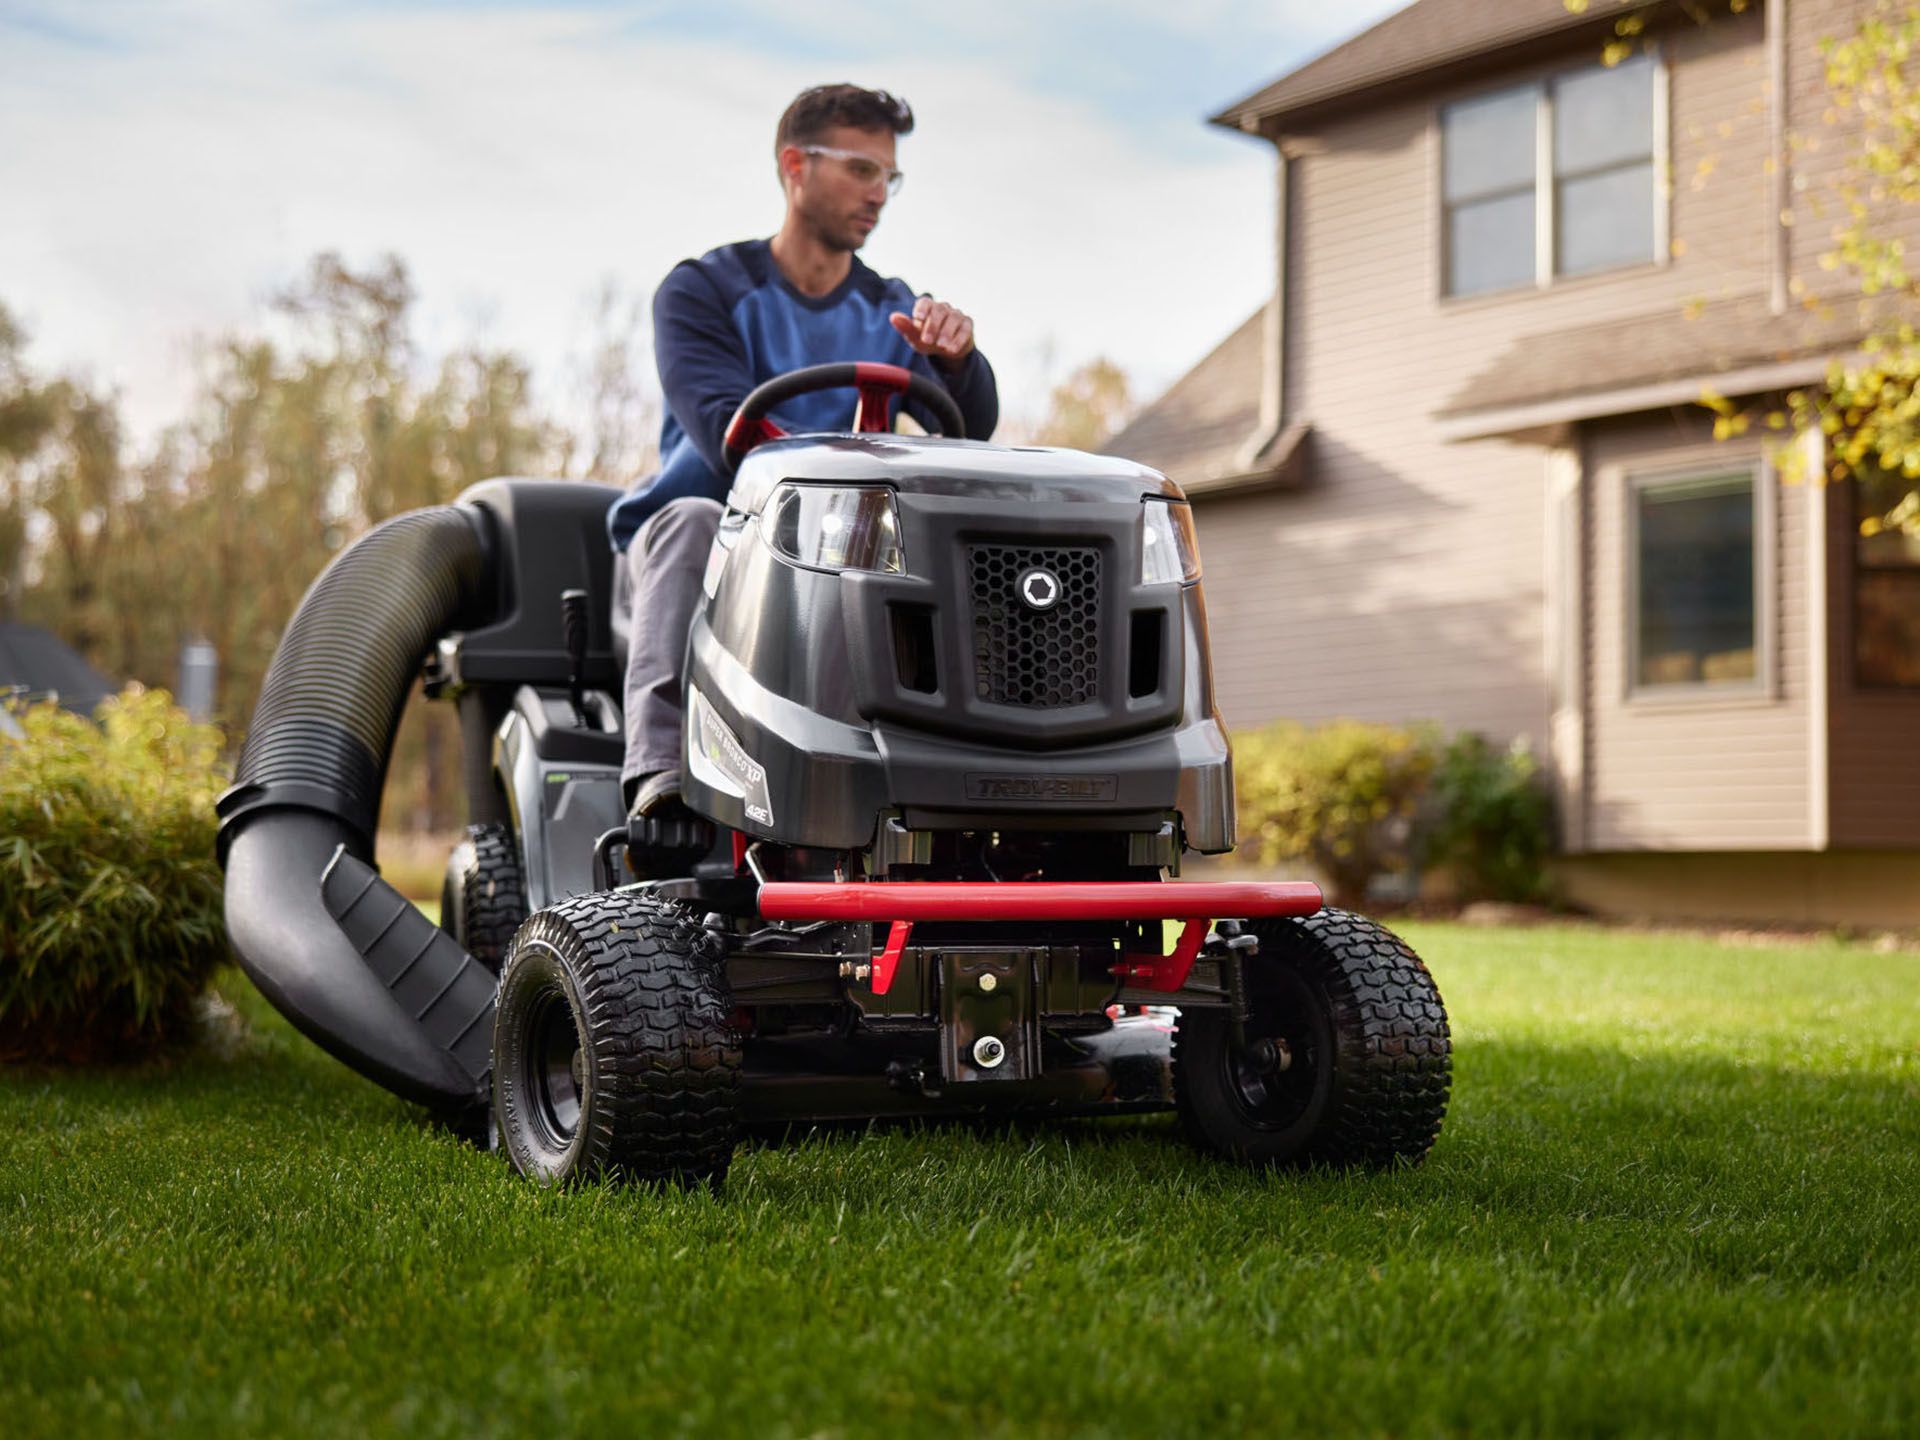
1702 771
1315 617
1874 735
1407 581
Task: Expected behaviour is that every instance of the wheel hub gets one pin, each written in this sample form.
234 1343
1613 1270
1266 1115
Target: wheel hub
559 1070
1273 1079
1269 1055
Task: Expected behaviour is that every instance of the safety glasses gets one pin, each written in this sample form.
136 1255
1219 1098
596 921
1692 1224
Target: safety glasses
863 168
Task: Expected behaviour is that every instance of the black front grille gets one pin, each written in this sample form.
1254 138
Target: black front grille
1041 658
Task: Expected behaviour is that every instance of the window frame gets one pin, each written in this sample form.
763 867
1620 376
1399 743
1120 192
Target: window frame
1546 197
1764 684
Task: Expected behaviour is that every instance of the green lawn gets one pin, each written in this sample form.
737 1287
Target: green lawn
1678 1192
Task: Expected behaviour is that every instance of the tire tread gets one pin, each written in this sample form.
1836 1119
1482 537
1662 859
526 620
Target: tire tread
1393 1049
666 1059
494 895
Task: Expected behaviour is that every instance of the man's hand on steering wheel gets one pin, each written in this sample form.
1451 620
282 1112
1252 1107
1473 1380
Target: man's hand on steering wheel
937 330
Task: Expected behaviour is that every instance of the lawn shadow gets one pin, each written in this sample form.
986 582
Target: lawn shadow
1673 1142
1675 1146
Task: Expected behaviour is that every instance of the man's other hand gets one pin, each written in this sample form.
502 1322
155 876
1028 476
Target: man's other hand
938 330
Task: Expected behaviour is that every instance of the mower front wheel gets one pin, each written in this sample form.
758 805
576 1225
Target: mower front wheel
1347 1059
613 1055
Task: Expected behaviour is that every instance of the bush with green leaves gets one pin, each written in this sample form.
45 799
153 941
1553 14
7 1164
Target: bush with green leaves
110 915
1357 801
1341 797
1491 821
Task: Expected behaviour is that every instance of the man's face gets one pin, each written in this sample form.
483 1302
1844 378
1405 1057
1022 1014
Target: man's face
831 196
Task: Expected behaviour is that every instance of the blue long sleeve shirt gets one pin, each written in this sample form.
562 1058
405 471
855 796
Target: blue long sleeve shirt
730 321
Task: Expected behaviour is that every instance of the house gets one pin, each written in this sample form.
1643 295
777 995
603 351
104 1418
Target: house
35 665
1457 468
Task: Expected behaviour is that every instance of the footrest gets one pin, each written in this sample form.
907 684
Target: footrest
662 847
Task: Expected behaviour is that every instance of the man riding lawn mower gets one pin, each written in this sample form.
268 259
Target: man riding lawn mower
949 733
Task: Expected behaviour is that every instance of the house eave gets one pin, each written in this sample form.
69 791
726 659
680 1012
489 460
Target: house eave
1545 416
1279 464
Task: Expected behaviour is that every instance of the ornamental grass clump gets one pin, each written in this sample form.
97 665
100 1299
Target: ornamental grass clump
110 915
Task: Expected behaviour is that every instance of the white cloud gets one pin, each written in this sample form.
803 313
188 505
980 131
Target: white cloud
173 178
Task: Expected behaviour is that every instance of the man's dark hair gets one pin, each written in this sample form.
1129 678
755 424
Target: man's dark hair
814 112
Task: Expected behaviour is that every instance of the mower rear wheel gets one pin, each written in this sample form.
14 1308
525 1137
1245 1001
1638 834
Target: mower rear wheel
484 896
613 1055
1348 1059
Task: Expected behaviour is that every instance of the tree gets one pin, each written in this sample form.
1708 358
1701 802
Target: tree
346 436
59 476
26 415
1869 408
621 413
1088 408
293 447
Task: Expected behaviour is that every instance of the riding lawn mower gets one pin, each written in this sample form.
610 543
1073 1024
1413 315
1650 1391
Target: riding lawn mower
950 736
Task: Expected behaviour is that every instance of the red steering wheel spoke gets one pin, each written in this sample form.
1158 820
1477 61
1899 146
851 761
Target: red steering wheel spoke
878 385
746 431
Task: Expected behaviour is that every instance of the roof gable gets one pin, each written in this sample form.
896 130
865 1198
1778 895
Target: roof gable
1198 433
1427 36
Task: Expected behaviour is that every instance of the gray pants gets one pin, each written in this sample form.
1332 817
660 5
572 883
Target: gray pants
655 591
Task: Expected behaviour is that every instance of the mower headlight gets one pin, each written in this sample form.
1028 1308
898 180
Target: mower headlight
836 527
733 525
1169 550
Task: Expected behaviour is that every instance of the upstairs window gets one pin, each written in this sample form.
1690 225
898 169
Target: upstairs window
1490 158
1551 179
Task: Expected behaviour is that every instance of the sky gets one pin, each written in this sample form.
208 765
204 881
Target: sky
168 165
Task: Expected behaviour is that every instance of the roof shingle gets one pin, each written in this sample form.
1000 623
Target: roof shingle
1661 345
1197 432
1428 35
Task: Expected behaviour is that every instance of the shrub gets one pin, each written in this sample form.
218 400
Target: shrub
1340 796
110 914
1492 821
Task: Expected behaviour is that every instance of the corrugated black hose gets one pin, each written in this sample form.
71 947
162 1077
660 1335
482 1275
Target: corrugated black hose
332 945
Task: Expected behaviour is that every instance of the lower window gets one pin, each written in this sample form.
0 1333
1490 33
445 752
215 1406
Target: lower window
1695 620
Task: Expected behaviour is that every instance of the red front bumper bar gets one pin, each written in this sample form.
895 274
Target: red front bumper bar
904 902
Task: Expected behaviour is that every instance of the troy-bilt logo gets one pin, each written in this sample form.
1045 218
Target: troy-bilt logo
1045 789
1040 588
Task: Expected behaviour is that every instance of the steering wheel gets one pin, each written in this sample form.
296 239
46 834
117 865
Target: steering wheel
878 385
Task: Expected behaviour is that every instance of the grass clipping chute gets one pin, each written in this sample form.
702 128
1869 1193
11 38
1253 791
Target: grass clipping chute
110 897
